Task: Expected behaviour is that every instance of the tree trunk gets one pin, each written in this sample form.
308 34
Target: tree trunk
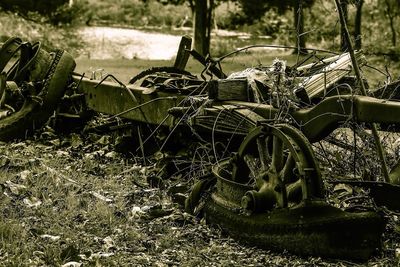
357 25
202 26
343 41
393 29
191 4
391 16
299 26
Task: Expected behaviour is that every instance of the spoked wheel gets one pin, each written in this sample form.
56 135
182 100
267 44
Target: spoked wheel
275 179
279 163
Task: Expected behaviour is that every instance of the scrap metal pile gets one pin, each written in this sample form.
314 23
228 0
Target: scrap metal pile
267 183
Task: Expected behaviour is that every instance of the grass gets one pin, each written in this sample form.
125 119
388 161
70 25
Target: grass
113 227
124 69
110 228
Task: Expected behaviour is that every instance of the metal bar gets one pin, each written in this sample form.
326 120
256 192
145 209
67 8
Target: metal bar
183 52
111 98
357 71
320 120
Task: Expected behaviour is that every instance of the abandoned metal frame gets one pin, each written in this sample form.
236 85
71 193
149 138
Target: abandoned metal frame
316 122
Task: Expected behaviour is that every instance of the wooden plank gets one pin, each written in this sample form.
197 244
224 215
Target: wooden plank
316 85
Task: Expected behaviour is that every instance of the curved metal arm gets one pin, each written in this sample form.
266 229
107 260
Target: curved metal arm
320 120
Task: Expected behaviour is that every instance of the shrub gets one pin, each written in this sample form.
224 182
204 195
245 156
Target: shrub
50 36
65 14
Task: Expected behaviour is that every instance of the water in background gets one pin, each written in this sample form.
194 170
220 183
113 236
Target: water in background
116 43
113 43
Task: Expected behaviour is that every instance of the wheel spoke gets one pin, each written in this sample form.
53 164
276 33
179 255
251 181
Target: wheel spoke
3 80
287 171
263 153
294 191
277 154
251 163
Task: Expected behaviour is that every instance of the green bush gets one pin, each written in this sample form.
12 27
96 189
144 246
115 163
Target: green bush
51 37
65 14
137 13
43 7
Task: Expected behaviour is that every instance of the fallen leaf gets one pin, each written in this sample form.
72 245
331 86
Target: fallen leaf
16 189
108 243
50 237
104 140
24 174
61 153
94 154
136 212
76 141
72 264
54 142
101 197
101 255
111 155
32 202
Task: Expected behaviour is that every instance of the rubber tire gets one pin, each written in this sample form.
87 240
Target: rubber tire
197 192
33 115
354 236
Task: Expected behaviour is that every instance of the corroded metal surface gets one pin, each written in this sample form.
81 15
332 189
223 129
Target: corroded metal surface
310 228
111 98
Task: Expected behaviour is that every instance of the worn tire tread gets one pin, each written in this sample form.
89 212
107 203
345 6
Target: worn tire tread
33 115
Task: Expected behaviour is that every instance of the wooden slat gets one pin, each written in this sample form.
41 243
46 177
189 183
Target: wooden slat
317 84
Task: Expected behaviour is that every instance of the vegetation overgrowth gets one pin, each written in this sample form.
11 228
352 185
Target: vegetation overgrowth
52 37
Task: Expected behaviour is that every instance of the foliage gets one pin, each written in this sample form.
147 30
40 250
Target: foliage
137 13
255 9
321 21
43 7
56 12
52 37
65 14
322 24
